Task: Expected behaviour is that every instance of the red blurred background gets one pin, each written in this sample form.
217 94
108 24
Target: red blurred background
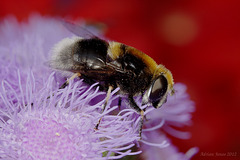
199 41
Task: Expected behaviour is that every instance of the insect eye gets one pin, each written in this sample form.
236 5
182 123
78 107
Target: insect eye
158 91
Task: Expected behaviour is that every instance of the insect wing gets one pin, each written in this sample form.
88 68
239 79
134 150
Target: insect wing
82 30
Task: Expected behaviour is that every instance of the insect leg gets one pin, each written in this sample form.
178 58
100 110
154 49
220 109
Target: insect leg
65 84
119 103
134 105
110 88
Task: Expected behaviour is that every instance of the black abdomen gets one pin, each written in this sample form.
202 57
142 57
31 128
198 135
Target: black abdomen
90 52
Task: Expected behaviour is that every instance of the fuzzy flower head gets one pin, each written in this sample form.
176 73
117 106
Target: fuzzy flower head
40 121
61 126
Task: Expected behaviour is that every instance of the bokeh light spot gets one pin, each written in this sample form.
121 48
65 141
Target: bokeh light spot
178 28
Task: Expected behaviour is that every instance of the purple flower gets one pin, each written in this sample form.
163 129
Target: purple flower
169 152
175 113
60 124
40 121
